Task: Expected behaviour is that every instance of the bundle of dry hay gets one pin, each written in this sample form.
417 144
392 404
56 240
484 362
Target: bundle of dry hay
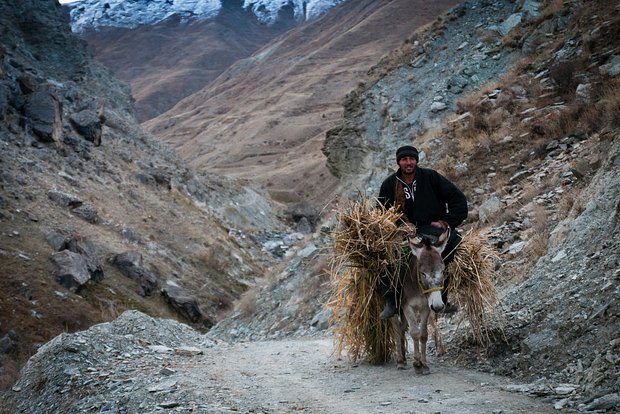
471 285
366 243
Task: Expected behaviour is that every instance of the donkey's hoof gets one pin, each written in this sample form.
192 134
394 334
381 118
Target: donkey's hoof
421 369
401 365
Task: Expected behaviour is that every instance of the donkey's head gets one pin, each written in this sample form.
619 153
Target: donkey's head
430 266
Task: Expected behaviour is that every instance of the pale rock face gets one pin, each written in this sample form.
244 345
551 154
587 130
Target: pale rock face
93 14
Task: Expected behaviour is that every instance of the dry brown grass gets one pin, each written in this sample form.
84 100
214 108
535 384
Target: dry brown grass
212 259
108 308
513 39
445 166
552 8
538 245
355 321
584 117
246 304
471 284
365 244
565 74
9 373
476 131
539 223
529 191
570 204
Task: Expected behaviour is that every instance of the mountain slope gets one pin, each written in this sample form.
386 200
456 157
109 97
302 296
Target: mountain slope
97 216
528 126
536 151
264 119
172 59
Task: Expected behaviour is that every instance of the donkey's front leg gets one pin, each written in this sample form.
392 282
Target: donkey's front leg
424 314
414 331
437 338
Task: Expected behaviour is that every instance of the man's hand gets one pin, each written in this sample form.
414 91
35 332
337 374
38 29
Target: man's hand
440 224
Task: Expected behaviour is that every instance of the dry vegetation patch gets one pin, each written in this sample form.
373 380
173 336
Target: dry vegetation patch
366 244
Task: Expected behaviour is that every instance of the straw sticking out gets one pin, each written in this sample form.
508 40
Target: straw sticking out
366 243
471 285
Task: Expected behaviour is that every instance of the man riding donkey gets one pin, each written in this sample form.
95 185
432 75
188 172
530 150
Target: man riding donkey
429 201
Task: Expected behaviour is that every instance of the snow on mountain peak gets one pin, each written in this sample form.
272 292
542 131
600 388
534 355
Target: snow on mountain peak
92 14
267 10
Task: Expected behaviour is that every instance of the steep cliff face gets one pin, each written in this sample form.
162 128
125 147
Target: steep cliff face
38 39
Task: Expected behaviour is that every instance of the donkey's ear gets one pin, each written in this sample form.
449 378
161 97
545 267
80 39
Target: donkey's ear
416 246
443 240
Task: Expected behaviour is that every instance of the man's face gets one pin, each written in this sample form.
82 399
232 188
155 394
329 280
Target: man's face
407 164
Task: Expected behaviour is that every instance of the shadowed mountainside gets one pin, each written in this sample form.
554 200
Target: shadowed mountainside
165 62
98 216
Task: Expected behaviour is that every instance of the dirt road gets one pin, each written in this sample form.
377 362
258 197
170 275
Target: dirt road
139 364
303 376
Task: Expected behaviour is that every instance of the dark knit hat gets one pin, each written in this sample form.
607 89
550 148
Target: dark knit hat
407 151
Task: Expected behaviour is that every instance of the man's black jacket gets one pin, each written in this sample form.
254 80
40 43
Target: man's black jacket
434 198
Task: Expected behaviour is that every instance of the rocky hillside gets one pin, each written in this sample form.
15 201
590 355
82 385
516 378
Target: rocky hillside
98 216
138 364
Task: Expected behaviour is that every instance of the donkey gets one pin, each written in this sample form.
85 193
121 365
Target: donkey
422 282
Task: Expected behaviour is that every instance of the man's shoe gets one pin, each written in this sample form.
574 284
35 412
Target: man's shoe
388 311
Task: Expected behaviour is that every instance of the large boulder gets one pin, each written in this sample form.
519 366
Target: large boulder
87 212
130 264
86 249
183 303
88 124
71 269
43 115
83 210
9 342
62 241
64 199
